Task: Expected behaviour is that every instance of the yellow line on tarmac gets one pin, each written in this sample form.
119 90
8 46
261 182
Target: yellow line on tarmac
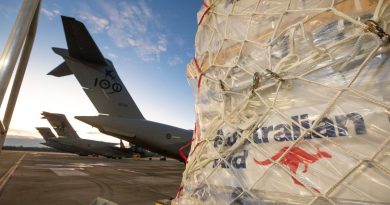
4 179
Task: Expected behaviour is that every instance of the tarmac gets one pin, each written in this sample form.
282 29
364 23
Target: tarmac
57 178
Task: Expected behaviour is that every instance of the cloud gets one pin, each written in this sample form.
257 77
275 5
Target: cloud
148 49
175 60
21 133
50 14
179 41
100 24
112 56
129 25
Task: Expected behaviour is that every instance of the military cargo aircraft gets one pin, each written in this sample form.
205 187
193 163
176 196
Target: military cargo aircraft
52 141
68 137
119 115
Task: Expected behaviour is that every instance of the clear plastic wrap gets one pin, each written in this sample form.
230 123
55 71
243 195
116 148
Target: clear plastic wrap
292 103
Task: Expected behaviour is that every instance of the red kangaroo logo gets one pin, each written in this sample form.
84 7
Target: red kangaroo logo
294 157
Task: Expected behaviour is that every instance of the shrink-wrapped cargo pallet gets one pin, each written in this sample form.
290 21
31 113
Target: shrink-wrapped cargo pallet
292 103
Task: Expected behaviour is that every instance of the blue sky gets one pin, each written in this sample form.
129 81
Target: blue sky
150 42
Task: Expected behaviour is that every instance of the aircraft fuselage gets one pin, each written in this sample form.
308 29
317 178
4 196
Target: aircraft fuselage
156 137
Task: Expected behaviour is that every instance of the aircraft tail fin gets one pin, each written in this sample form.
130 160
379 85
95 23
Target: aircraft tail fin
96 75
80 43
122 146
46 133
60 124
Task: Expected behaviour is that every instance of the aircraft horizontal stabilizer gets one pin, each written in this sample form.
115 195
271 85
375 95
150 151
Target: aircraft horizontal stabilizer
61 70
99 122
61 52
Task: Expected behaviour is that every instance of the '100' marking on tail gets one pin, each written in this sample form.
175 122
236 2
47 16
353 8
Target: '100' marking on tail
107 85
